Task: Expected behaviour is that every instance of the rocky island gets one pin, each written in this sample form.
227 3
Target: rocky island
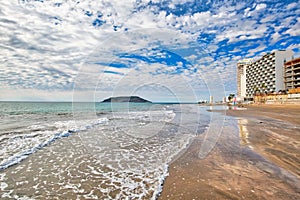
123 99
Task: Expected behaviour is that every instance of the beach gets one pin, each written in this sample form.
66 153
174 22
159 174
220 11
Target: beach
53 151
257 156
92 150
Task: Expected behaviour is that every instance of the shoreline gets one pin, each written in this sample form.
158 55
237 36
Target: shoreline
276 133
256 157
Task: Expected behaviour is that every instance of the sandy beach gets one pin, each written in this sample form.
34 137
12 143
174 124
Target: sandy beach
257 156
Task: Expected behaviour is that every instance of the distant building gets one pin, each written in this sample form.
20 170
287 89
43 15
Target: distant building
224 99
266 75
292 74
211 99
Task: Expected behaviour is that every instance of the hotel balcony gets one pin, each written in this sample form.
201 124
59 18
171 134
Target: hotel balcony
288 70
288 75
289 80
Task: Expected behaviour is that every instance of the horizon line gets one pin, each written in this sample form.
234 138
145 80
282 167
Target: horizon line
49 101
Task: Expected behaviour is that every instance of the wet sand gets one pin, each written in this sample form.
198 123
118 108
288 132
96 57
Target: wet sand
257 156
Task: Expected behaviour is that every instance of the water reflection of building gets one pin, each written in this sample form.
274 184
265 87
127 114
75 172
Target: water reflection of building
242 123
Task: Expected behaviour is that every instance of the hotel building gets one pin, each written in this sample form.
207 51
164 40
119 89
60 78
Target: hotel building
241 76
264 75
292 74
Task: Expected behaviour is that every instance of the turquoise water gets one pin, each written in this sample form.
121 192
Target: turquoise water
67 107
34 107
119 150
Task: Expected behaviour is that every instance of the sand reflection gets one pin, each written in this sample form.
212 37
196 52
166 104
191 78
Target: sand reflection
242 124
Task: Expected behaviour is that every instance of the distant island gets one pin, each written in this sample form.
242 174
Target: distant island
123 99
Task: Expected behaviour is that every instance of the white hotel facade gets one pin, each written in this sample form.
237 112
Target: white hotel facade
264 75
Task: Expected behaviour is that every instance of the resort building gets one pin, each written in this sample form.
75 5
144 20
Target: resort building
266 75
241 77
292 74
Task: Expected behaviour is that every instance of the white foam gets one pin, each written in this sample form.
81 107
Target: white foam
18 147
153 115
133 158
123 165
7 194
25 198
143 124
3 186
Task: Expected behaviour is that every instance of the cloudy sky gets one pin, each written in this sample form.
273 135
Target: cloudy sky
173 50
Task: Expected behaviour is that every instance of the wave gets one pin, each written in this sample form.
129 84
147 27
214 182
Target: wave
130 152
24 144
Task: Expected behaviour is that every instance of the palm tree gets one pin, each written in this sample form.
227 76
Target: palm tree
256 90
231 96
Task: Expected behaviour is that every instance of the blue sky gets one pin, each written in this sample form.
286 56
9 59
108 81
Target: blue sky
64 50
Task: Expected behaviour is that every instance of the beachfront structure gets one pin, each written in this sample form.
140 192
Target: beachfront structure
211 99
292 74
241 77
266 75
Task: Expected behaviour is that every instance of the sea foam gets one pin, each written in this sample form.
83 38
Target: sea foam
17 147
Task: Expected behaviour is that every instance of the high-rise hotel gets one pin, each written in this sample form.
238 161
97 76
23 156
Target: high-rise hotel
264 75
292 74
241 76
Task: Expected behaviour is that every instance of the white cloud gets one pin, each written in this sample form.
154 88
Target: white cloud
261 6
294 31
291 6
275 37
46 47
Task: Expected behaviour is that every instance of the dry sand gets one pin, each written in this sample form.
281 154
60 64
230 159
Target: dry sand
257 156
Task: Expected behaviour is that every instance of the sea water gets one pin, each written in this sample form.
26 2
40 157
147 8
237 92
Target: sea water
92 150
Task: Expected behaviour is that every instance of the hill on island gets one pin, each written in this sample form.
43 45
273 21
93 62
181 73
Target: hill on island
123 99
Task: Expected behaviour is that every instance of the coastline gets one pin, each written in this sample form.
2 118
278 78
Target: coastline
256 157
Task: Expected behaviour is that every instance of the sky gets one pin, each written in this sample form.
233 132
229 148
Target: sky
173 50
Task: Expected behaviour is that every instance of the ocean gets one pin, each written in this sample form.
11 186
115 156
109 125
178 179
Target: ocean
92 150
